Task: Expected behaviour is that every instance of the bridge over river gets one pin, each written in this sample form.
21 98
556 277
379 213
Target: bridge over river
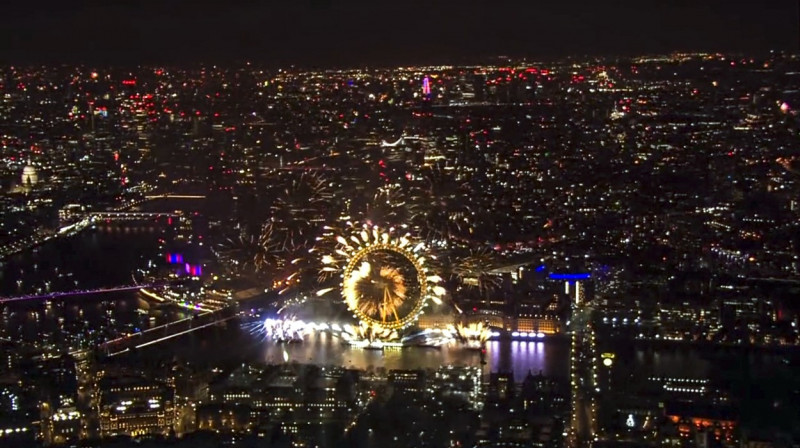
166 332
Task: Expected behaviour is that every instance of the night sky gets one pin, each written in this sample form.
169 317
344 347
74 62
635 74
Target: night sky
352 32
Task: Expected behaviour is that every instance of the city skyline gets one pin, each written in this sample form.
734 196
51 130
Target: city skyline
474 251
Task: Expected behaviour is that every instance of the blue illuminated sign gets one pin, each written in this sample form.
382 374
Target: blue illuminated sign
581 276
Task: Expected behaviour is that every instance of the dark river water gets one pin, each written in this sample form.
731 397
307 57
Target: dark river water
106 256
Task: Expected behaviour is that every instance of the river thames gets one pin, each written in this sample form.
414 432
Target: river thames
107 255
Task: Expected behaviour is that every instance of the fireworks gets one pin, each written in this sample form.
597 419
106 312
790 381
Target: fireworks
300 202
285 330
280 329
286 263
474 335
385 280
297 213
290 235
475 270
268 253
375 292
369 333
241 251
392 205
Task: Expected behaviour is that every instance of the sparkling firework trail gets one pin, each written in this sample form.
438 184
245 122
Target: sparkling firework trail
375 292
379 291
475 270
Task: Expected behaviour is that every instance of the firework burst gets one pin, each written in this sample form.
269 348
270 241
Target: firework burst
240 251
474 270
285 263
392 205
288 329
375 292
369 333
474 335
385 279
300 207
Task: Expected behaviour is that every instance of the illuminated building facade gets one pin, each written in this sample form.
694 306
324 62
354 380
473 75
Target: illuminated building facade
135 406
302 402
407 381
223 418
435 321
63 426
542 324
688 422
547 324
463 382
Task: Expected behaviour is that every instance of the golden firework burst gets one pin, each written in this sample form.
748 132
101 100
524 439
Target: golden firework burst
367 332
376 288
375 292
475 333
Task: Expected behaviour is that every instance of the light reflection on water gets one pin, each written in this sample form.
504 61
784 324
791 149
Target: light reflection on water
550 357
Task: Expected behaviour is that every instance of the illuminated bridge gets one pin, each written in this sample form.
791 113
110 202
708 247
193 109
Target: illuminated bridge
127 216
77 292
166 332
84 220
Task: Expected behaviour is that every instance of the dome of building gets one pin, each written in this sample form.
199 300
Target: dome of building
29 175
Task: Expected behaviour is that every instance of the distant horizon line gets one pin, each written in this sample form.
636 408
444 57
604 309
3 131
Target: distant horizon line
475 61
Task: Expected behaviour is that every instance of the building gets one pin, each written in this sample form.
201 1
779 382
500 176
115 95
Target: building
435 320
501 387
462 382
64 426
545 323
305 403
695 421
407 381
135 406
29 176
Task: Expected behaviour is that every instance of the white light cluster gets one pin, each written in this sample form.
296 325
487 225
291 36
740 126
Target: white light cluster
531 335
64 416
287 329
362 335
9 431
669 388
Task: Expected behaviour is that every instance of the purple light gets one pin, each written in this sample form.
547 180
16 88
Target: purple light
426 86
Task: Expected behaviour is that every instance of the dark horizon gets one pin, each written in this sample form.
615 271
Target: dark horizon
321 33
